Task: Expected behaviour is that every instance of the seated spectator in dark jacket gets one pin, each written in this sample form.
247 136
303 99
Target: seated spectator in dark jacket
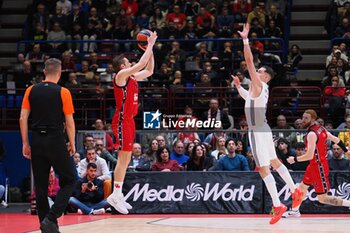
23 79
338 160
284 151
232 161
88 194
179 153
225 23
164 163
35 55
299 151
138 162
198 160
215 113
103 153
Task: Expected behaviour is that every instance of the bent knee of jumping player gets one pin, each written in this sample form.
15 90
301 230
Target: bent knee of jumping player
264 171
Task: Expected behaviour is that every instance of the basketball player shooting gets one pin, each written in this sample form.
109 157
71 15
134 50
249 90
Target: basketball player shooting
123 124
317 171
260 135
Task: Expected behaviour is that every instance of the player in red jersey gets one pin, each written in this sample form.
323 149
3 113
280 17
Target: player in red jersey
123 125
317 171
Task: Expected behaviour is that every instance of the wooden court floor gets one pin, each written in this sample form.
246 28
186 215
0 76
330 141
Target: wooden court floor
15 223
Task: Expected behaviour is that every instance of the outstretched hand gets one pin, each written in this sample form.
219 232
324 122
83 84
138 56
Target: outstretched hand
245 32
152 39
236 81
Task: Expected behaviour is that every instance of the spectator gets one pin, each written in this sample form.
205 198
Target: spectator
77 17
66 6
280 5
88 142
35 55
187 137
275 15
170 31
294 58
177 17
176 80
214 112
102 171
338 161
143 20
76 158
189 32
23 78
72 84
123 19
85 73
220 146
298 125
203 16
257 13
42 17
56 34
282 124
203 53
250 159
198 160
336 52
241 8
284 151
85 5
343 30
75 34
68 65
224 23
272 32
163 163
159 18
256 28
192 8
206 31
161 141
88 194
245 82
39 35
138 162
189 148
130 7
299 151
335 94
227 56
232 161
241 148
327 80
179 153
103 153
60 18
150 155
208 70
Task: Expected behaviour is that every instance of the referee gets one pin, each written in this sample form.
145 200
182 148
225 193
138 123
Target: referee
51 109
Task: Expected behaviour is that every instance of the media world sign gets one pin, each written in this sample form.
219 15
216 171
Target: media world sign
192 192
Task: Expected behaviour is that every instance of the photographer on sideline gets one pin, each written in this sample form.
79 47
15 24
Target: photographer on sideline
88 194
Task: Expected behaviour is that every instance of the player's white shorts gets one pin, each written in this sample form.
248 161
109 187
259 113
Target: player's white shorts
262 146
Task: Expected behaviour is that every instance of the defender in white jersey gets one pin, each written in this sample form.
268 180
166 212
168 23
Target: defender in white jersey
260 135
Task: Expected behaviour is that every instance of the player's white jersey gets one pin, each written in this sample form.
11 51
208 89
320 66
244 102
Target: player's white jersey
255 108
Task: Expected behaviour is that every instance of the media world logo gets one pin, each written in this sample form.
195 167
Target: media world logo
152 120
343 191
193 192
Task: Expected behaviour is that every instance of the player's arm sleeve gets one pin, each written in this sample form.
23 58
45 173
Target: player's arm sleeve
26 103
242 92
67 101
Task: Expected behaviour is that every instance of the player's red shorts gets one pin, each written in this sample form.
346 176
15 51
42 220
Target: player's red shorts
317 176
124 133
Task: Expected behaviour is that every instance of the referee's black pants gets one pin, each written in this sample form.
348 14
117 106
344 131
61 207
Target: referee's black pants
49 149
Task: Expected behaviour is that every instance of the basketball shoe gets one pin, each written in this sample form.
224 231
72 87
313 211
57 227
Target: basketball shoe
291 214
297 198
118 203
277 213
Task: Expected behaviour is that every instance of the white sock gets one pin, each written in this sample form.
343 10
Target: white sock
346 203
118 188
271 187
284 173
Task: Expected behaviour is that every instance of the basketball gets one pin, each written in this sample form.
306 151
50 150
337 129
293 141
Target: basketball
142 37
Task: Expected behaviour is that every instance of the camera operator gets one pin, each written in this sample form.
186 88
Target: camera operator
88 194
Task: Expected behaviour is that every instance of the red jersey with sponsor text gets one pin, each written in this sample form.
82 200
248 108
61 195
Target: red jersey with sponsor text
320 154
126 98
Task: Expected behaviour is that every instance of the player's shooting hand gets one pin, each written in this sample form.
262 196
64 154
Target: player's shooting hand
152 39
236 81
26 151
245 32
290 159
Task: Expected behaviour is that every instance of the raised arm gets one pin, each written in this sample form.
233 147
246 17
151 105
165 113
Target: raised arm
242 92
148 71
248 56
125 73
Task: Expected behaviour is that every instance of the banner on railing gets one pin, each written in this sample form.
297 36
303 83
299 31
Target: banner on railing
194 192
219 192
